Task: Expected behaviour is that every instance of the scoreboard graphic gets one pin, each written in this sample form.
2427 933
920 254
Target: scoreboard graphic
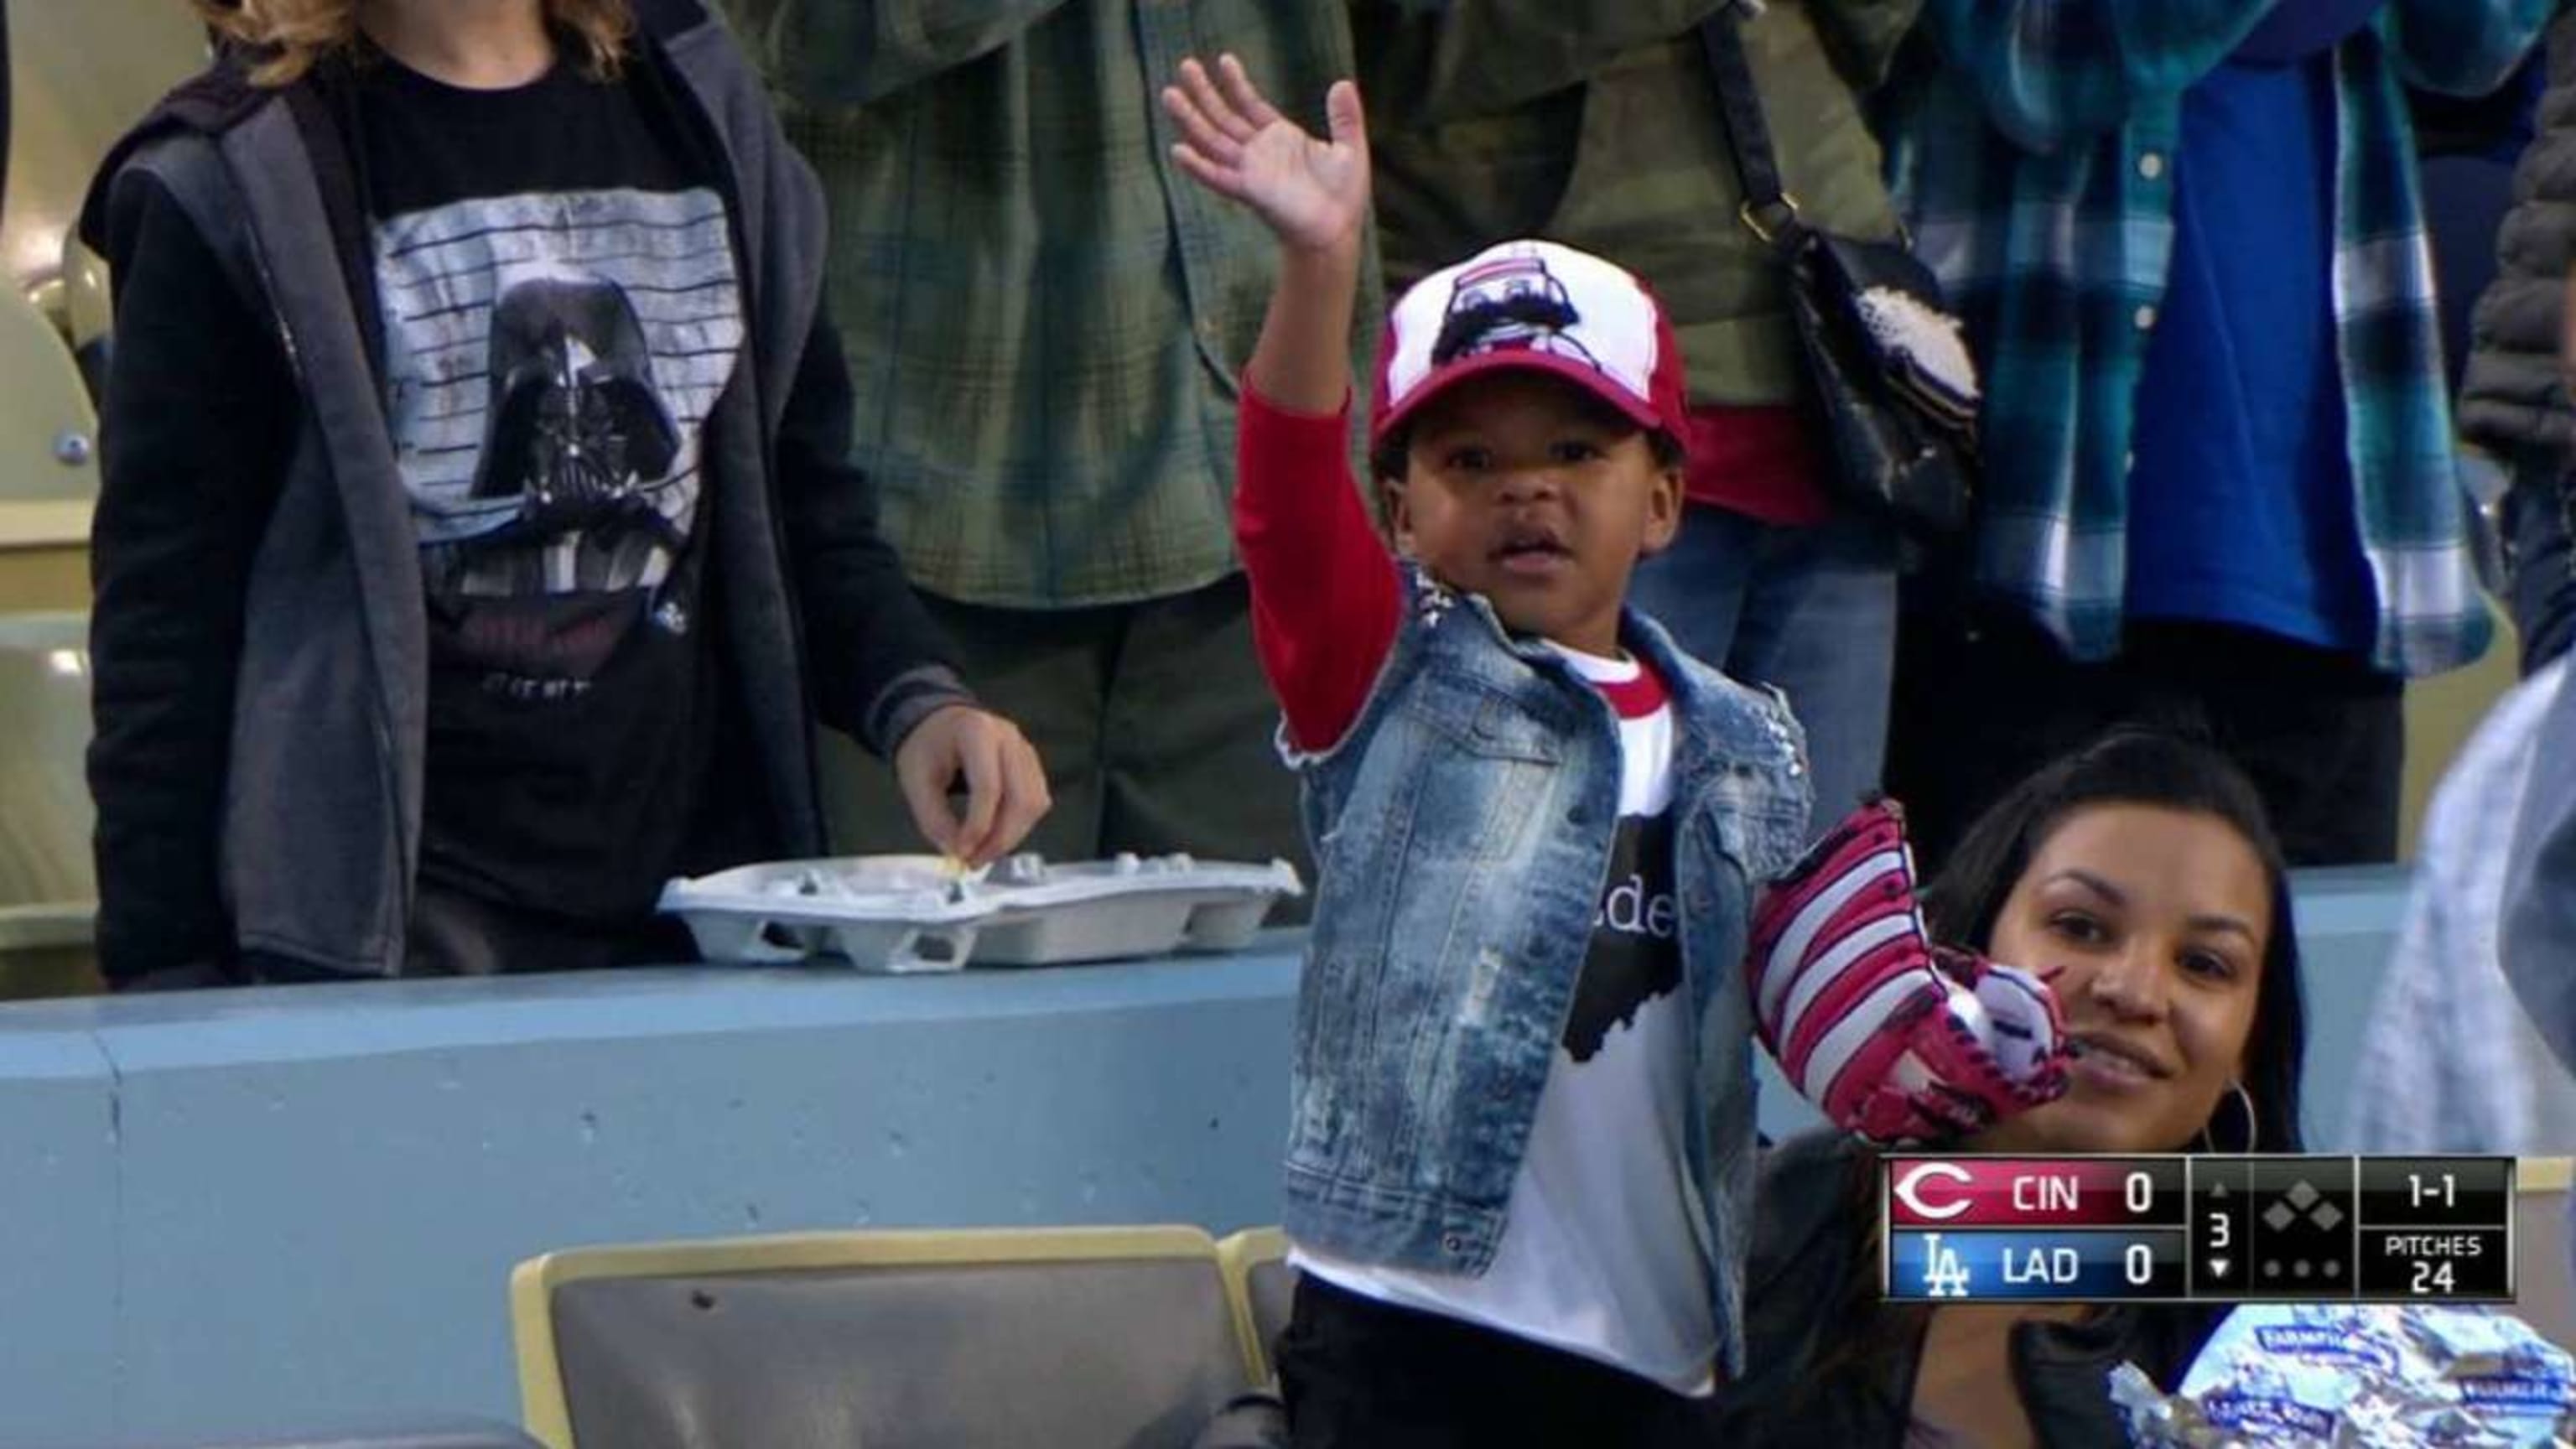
2218 1229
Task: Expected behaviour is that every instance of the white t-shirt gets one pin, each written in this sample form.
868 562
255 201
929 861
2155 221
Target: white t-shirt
1602 1254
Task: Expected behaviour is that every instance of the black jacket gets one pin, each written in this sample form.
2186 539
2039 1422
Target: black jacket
2514 399
259 631
1799 1295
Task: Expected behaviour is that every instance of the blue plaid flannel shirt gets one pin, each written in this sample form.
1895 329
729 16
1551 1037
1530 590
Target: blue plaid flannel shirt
2034 162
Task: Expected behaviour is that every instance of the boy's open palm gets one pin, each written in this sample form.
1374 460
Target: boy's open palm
1313 193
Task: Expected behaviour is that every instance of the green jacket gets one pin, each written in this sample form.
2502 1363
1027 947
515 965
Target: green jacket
1045 318
1500 118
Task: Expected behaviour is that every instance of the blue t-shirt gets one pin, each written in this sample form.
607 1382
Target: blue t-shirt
2298 29
2241 501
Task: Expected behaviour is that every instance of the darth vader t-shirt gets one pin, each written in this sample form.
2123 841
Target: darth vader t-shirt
560 309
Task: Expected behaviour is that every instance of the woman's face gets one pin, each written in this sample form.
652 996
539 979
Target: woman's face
2152 924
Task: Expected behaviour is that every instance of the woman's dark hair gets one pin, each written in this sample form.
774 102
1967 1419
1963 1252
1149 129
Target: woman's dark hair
2129 766
2146 767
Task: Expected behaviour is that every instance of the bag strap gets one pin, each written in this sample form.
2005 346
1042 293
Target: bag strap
1769 210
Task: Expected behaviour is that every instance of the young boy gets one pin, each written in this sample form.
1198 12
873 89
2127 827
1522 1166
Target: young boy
477 544
1520 1153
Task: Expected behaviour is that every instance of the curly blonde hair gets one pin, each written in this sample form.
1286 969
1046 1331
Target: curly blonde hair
288 36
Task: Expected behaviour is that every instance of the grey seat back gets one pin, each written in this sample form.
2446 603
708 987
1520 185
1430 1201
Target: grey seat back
1120 1354
1272 1286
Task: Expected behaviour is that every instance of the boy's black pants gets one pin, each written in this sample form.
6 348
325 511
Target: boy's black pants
1359 1374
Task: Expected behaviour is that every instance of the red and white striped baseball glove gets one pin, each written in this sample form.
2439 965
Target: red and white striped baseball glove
1893 1037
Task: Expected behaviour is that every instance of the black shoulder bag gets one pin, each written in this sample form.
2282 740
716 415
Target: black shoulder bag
1893 384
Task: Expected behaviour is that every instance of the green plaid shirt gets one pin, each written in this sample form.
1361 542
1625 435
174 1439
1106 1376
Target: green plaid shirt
1045 318
2036 167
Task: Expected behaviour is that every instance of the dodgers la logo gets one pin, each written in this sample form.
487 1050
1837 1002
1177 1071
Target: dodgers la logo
1945 1273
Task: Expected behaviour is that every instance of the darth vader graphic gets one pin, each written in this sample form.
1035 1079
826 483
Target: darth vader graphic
551 360
577 433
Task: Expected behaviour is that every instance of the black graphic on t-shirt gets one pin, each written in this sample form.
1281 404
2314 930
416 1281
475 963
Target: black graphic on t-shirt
1635 955
553 356
576 422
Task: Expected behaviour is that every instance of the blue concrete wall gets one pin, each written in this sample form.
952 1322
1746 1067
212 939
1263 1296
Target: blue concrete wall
58 1242
238 1212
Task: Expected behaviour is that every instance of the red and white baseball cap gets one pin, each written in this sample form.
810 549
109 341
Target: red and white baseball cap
1538 307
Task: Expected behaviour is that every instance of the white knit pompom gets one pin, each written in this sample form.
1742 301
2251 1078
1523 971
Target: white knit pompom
1931 339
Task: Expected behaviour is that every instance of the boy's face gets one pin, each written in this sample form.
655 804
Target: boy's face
1521 488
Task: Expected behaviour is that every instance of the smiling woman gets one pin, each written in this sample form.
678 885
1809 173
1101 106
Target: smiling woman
2141 880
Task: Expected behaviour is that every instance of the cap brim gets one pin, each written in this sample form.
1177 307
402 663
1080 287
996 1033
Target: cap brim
1581 374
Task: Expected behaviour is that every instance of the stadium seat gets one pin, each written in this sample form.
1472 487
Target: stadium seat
1107 1338
86 309
1263 1286
48 429
46 884
80 74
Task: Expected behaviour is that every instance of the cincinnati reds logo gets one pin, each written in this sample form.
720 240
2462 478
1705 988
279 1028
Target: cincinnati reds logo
1910 1190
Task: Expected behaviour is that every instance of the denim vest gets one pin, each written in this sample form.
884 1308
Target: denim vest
1462 833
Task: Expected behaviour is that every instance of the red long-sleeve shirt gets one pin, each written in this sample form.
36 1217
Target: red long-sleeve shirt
1326 597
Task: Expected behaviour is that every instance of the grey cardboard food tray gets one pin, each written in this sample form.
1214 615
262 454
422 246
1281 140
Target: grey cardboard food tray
907 914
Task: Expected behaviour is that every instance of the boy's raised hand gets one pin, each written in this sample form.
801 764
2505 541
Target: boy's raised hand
1313 193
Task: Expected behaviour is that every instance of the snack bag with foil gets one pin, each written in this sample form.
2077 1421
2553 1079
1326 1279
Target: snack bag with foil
2387 1376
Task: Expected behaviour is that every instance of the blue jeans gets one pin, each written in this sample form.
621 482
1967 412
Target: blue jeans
1811 611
